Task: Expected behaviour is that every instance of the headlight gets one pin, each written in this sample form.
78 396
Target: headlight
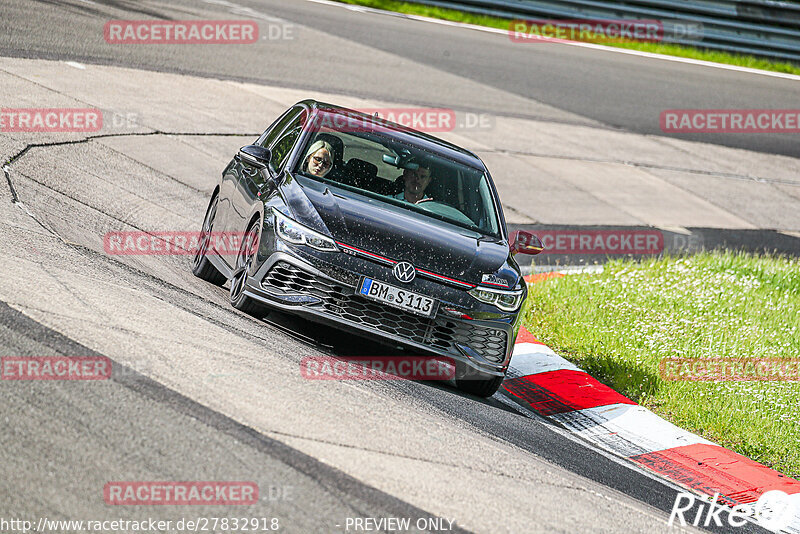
293 232
505 300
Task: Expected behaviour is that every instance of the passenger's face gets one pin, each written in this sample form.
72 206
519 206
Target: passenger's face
319 163
417 180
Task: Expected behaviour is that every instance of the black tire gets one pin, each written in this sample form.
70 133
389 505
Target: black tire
244 261
201 267
480 387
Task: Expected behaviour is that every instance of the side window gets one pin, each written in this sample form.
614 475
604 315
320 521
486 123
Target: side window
283 145
275 129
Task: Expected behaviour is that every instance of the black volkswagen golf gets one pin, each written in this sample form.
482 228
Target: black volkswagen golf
375 228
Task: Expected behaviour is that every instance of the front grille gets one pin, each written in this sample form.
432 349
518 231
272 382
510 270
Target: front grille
290 279
338 300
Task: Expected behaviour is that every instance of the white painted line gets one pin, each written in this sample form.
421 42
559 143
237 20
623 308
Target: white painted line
627 429
531 359
561 269
593 46
794 526
236 9
76 65
675 229
584 269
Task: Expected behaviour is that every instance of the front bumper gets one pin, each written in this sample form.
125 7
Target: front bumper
327 293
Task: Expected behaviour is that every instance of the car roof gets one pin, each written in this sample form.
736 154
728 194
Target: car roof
403 133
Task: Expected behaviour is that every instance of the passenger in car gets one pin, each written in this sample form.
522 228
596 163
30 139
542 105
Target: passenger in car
319 159
337 155
415 181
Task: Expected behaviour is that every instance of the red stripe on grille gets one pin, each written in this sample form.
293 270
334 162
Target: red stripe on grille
378 256
465 284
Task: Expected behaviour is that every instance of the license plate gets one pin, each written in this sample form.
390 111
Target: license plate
397 297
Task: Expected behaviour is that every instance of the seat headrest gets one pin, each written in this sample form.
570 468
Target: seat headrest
358 168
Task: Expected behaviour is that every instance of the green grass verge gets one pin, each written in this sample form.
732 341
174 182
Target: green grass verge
656 48
618 325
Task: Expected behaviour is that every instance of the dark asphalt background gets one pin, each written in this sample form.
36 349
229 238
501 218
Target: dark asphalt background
615 89
63 426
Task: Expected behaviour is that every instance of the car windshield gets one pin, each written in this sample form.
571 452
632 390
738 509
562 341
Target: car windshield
370 161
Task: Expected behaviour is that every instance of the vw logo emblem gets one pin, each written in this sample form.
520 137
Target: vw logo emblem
404 271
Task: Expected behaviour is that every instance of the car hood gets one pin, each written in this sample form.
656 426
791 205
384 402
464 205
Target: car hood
401 235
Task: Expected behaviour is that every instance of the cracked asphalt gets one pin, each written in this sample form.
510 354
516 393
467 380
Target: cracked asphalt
203 392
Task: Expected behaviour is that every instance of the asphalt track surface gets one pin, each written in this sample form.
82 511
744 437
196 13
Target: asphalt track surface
207 393
330 47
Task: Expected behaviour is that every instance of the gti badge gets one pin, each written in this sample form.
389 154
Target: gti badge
494 280
404 271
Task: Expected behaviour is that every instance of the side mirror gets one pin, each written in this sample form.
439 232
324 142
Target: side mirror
255 156
524 243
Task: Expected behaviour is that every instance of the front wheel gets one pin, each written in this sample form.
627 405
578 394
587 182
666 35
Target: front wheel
244 261
201 267
480 387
